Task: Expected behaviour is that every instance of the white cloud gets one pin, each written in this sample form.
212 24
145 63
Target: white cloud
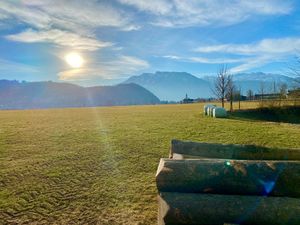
256 54
158 7
205 60
31 16
270 7
6 67
252 63
73 15
131 28
3 16
64 23
178 13
121 66
266 46
215 60
248 56
61 38
174 57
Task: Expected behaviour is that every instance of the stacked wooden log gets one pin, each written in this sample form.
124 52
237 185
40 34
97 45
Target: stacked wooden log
214 184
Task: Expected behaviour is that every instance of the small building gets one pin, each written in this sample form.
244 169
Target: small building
294 93
266 96
187 100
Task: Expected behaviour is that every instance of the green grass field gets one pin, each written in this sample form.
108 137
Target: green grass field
98 165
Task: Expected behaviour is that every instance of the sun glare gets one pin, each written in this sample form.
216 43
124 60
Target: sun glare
74 60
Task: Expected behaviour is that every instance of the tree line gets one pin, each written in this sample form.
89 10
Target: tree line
226 90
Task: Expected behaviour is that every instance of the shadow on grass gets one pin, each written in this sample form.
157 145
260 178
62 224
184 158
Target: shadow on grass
275 114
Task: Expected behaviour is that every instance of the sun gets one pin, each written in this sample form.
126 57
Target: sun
74 60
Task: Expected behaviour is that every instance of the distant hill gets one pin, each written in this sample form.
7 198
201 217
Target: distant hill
253 81
28 95
172 86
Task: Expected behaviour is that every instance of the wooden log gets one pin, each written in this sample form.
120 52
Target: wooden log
219 176
184 149
208 209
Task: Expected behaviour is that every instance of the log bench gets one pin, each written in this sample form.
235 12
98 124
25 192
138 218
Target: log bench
216 184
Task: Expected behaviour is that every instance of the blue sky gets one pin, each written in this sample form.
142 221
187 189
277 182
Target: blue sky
120 38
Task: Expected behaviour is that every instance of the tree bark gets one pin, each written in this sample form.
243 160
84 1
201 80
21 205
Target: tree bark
228 151
231 177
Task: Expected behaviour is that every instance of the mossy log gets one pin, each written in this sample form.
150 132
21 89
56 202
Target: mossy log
209 209
184 149
219 176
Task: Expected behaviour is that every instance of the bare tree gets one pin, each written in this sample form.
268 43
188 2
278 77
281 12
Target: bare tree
221 84
283 89
295 71
250 94
239 92
262 93
272 100
230 91
274 87
282 92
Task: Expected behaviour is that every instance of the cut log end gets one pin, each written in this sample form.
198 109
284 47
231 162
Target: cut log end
160 166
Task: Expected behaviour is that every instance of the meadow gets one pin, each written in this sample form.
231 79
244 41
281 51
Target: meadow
98 165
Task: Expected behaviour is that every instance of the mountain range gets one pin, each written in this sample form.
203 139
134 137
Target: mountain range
254 81
173 86
29 95
147 88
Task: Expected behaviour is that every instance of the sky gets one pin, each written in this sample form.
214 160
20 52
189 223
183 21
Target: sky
120 38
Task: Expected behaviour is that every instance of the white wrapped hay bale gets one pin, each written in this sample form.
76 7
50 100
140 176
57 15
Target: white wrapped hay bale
219 112
205 108
211 110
